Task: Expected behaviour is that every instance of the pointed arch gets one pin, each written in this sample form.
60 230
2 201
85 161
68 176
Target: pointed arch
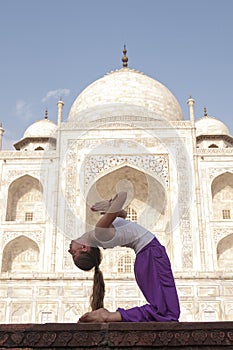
222 196
21 314
225 253
19 255
72 313
209 313
145 193
229 315
24 202
107 170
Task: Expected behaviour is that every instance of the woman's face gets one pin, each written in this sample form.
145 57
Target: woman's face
77 248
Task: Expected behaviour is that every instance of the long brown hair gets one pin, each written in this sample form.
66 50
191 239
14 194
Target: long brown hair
86 261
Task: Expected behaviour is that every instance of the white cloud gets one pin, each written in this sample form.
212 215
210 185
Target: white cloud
56 94
23 110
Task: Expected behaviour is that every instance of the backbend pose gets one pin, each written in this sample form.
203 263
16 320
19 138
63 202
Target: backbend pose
152 267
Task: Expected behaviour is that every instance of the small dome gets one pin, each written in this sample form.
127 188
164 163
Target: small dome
41 128
127 87
210 126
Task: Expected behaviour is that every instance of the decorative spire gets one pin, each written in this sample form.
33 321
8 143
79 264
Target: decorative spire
205 112
1 135
60 105
125 58
191 103
46 114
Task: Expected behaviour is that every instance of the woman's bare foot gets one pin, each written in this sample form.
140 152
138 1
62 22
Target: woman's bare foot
100 316
102 206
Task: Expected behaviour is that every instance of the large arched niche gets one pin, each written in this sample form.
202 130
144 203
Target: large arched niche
222 195
25 197
20 255
225 253
146 194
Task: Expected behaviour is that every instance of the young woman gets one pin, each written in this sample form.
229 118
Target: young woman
152 267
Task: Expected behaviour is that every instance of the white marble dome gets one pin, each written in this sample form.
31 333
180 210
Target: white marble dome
127 87
210 126
41 128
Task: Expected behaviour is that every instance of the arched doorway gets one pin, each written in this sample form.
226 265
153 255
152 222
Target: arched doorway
20 255
25 200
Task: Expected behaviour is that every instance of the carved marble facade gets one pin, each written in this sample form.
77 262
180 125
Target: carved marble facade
183 193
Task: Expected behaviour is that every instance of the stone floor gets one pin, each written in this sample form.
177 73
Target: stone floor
122 335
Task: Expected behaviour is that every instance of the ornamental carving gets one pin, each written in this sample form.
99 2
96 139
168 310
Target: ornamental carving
12 175
180 123
184 178
78 166
70 223
10 235
214 172
151 164
218 234
220 151
218 336
127 335
165 337
199 336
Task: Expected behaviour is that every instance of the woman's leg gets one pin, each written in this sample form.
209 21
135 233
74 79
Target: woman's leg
155 279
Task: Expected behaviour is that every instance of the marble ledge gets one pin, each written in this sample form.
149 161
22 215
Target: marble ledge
122 335
67 275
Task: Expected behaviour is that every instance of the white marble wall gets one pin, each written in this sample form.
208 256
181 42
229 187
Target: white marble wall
84 166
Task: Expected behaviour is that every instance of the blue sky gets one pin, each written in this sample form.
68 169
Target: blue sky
56 47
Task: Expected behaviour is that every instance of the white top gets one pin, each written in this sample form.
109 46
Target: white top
127 234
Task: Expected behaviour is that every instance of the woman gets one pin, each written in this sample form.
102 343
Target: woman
152 267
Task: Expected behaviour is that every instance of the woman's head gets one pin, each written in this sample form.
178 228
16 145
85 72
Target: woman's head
86 260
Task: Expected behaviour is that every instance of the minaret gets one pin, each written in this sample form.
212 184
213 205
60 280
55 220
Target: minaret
124 58
1 135
190 103
60 105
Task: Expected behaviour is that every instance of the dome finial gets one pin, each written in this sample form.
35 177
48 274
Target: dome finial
46 114
125 58
205 112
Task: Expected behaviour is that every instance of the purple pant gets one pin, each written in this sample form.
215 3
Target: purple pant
155 279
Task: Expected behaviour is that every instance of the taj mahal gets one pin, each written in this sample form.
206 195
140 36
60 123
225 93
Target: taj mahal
125 131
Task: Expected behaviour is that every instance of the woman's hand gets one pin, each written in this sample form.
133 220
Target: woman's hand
104 230
100 316
122 214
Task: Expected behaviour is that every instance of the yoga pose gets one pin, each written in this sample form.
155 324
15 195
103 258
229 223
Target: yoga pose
152 267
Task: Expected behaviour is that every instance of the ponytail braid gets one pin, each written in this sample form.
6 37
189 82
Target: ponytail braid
97 297
86 261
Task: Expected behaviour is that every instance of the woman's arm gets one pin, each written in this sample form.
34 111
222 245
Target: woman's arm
103 229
